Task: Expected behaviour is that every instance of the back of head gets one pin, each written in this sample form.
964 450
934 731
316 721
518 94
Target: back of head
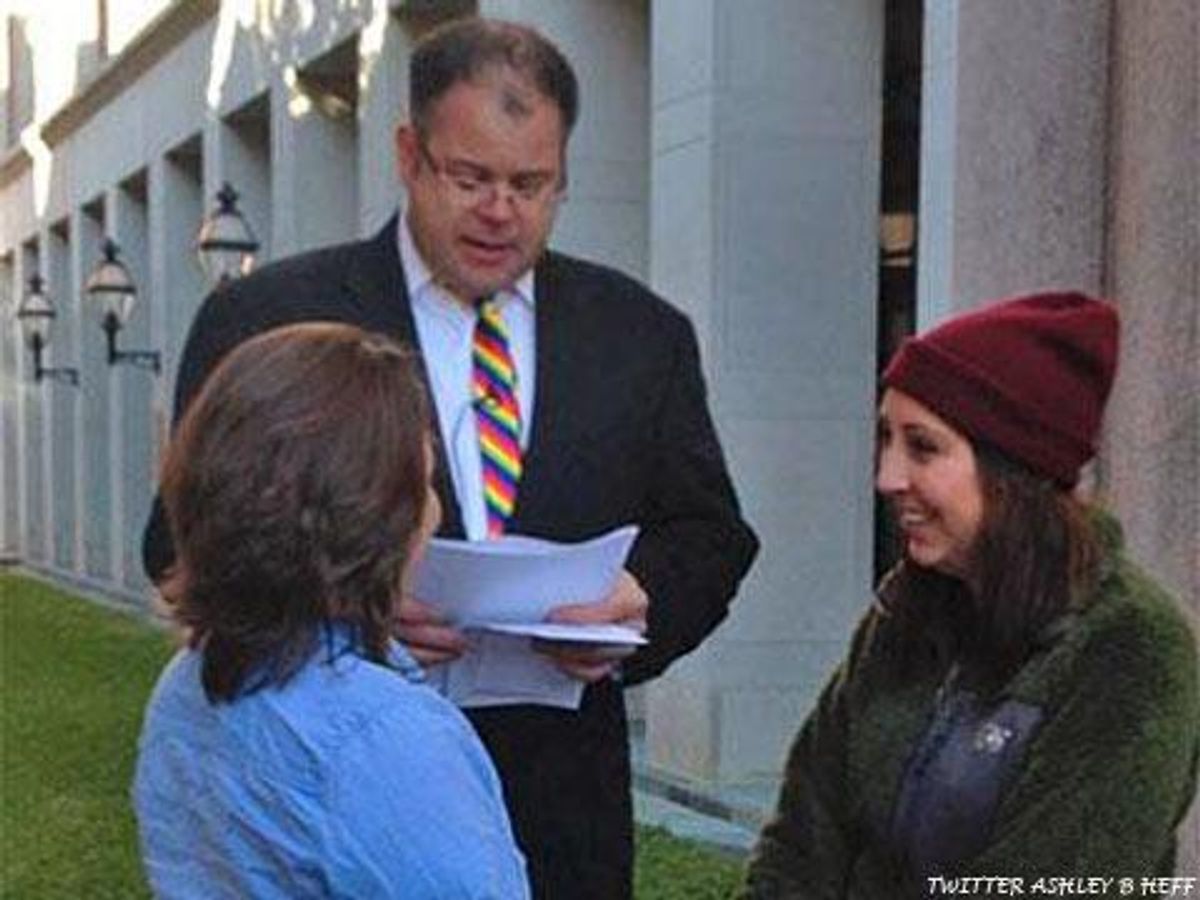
294 487
470 48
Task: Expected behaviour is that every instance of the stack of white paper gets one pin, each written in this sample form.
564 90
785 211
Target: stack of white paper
500 593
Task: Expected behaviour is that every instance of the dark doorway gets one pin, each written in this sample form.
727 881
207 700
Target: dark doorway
899 190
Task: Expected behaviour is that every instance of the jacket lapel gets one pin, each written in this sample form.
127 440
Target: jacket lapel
551 393
375 281
378 290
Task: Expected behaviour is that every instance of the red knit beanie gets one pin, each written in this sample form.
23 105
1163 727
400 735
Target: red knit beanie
1029 375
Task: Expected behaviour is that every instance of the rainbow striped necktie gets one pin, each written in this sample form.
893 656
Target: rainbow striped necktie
497 415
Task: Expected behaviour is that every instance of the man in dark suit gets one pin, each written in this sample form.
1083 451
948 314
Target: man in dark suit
602 418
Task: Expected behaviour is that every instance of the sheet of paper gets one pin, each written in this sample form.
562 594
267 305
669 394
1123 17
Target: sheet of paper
501 670
612 635
517 578
514 581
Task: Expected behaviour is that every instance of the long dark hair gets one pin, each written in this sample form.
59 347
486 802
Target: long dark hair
1036 557
294 487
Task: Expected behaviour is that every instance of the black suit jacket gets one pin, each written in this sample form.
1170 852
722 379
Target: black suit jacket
621 434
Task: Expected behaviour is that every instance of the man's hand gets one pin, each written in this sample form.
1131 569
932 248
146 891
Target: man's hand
625 605
426 634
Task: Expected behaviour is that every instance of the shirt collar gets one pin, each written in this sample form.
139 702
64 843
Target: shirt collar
419 279
338 648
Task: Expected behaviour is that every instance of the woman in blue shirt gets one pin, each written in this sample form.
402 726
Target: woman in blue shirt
291 749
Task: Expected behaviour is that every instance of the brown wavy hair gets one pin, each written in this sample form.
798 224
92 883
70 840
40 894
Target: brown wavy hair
294 487
1036 557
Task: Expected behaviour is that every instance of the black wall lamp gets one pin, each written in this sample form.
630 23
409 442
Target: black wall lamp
226 244
112 290
36 319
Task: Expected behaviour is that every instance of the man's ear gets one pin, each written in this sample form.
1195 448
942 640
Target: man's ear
408 153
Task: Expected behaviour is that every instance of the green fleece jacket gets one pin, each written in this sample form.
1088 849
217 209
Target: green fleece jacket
1081 767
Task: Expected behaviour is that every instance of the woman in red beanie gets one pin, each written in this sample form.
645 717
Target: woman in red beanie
1021 702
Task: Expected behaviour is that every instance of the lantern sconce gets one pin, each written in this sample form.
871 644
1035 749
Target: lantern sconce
226 244
36 318
112 290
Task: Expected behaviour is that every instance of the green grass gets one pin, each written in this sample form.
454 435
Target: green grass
74 678
668 868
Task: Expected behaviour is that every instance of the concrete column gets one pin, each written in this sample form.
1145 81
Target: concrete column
280 169
315 184
384 49
135 474
1011 202
28 472
85 330
177 207
95 387
115 427
10 439
1152 447
764 181
213 168
38 465
159 292
1150 460
61 399
242 150
45 459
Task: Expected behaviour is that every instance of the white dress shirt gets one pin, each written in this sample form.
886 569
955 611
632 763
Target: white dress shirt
445 330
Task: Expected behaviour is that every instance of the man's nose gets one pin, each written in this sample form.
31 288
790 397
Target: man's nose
500 202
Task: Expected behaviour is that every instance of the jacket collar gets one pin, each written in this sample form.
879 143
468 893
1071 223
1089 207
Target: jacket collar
375 280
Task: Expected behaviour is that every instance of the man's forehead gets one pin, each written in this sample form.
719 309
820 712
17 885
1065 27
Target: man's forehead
507 90
517 94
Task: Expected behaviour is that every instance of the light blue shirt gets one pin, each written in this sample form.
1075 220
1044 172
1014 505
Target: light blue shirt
446 328
352 780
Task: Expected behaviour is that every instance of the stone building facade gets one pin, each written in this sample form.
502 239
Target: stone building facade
735 154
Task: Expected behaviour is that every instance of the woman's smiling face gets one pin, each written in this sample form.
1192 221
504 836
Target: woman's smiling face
927 470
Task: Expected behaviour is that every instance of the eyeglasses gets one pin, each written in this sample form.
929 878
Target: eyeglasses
470 185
